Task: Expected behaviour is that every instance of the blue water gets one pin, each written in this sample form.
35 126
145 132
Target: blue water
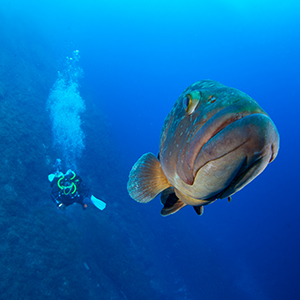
137 58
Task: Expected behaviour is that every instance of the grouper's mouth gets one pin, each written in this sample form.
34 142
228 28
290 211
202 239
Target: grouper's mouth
195 157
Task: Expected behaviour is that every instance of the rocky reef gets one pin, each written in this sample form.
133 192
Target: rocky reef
45 253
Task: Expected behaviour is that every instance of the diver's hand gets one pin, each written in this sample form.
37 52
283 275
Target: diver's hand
61 206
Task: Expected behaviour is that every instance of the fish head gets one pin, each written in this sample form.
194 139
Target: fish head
214 141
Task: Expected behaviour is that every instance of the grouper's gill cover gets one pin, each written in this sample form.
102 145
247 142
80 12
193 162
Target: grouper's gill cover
214 141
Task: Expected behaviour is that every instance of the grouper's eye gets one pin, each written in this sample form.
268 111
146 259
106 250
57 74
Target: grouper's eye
190 101
187 100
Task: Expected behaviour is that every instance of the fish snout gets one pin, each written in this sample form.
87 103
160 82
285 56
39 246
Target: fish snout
236 155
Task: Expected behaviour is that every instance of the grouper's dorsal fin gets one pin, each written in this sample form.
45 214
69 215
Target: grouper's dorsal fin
146 179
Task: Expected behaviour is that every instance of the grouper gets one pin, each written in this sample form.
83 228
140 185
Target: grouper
215 141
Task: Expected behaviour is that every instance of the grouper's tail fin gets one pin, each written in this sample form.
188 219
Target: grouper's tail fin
98 203
146 179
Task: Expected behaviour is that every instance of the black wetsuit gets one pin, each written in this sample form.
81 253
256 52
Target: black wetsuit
59 197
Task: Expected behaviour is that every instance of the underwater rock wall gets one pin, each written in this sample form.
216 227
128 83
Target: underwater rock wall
25 76
30 239
48 254
40 248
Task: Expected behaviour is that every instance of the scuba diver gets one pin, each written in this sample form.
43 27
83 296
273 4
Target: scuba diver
68 188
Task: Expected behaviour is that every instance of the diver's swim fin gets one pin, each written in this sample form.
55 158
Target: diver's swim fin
98 203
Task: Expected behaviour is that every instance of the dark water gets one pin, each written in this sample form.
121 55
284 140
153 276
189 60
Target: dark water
137 57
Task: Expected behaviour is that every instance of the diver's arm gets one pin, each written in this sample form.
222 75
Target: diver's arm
55 196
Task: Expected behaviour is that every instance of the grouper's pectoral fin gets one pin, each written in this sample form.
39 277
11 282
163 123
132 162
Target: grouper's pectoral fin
167 195
171 202
146 179
169 210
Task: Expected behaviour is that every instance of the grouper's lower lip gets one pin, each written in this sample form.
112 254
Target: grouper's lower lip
188 169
